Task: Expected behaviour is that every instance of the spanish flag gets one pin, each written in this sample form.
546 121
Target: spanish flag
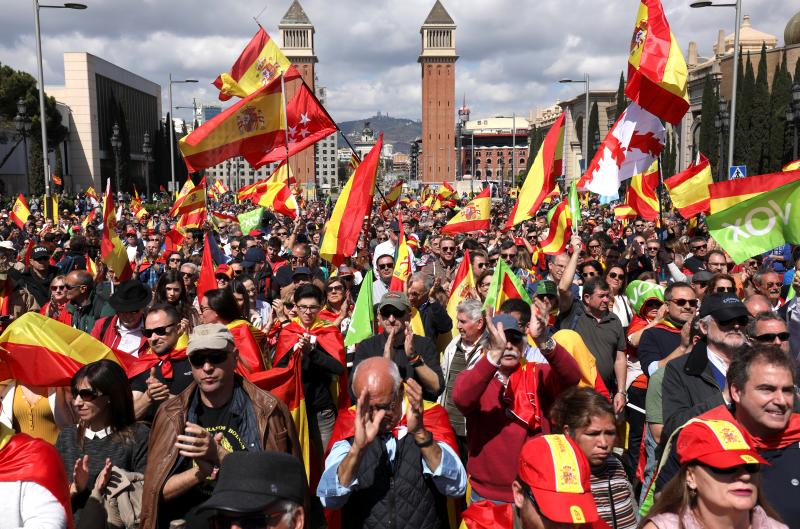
559 233
657 71
352 207
392 197
89 218
220 188
485 514
193 219
40 351
402 265
111 248
445 191
20 212
463 286
505 285
641 194
730 192
474 216
194 199
261 61
91 193
541 178
624 211
791 166
252 126
275 193
246 339
689 189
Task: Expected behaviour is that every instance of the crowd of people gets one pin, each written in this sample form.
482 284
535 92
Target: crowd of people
638 379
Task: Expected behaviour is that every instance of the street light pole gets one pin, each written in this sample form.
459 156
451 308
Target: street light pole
147 150
585 117
23 125
172 130
116 145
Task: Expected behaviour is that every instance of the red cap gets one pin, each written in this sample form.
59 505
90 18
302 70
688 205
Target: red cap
717 443
131 231
519 241
223 269
558 473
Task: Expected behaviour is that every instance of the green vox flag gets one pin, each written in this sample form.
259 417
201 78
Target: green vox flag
759 224
640 291
505 285
362 325
574 206
250 220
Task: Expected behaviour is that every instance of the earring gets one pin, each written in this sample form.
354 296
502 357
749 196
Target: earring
692 492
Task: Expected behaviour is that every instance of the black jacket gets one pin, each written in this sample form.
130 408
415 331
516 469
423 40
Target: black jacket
435 319
39 287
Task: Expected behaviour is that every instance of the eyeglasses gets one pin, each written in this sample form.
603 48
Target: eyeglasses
336 288
174 259
751 468
296 259
236 247
508 255
770 337
722 290
545 297
683 302
614 275
55 288
187 275
308 308
87 395
70 287
728 324
700 247
212 357
701 284
250 521
594 246
288 304
651 305
653 248
160 331
480 265
448 249
588 274
385 266
387 312
281 234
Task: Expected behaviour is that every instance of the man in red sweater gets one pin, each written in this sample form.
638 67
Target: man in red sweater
506 401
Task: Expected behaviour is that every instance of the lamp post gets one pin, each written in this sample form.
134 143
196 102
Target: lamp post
42 116
721 122
147 150
585 117
172 129
734 67
116 145
23 124
793 117
501 166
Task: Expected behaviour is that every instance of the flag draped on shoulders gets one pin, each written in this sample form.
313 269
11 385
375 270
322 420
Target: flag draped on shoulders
635 140
689 189
261 61
111 248
353 205
475 216
20 211
541 178
247 345
402 266
641 194
657 72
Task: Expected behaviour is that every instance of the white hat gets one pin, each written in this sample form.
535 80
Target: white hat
7 245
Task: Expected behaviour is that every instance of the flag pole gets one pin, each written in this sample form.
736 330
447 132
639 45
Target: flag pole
660 201
286 130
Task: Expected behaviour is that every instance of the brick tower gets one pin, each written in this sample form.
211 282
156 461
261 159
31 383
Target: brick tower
438 61
297 37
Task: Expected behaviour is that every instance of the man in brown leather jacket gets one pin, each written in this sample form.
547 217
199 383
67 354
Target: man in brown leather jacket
192 432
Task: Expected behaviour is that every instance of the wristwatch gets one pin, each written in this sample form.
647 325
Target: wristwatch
549 345
427 442
415 361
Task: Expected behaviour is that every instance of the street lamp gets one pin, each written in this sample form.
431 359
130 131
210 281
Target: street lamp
116 145
793 117
42 116
722 122
23 124
172 129
585 117
734 67
147 150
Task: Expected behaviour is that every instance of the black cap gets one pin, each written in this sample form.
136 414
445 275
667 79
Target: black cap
253 256
722 307
301 271
39 252
394 226
252 481
702 276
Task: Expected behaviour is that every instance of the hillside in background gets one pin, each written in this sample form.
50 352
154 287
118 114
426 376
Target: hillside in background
400 132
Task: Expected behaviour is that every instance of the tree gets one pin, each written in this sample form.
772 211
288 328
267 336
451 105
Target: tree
535 139
709 139
594 131
758 159
797 71
744 98
669 156
622 101
781 96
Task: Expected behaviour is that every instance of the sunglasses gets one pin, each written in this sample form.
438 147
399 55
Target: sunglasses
296 259
750 468
653 248
385 266
650 305
700 247
588 274
594 246
174 259
770 337
250 521
234 247
160 331
387 312
212 357
741 322
614 275
87 395
772 284
288 304
683 302
336 288
448 248
545 297
722 290
55 288
186 275
508 255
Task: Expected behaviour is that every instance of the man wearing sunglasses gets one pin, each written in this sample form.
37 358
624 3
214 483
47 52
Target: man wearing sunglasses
219 413
443 267
85 305
698 246
36 279
768 329
384 266
768 283
669 338
694 382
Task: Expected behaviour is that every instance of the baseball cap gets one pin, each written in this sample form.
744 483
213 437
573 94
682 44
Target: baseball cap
397 300
558 474
510 323
722 307
546 287
39 252
702 276
224 270
131 231
253 256
301 271
718 443
210 336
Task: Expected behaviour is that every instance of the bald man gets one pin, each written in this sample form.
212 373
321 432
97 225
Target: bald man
85 305
373 467
758 304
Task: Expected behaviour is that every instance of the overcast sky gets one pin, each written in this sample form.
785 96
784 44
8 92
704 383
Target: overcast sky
512 52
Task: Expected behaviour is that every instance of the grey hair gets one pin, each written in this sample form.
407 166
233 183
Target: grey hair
394 372
191 265
289 508
750 330
472 308
426 280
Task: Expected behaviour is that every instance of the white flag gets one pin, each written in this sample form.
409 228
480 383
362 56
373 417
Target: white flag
630 147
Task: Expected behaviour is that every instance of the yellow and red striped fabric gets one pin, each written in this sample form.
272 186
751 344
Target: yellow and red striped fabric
689 189
20 212
276 194
730 192
191 201
541 178
111 248
261 61
657 71
476 215
641 194
402 266
352 206
392 197
559 232
463 286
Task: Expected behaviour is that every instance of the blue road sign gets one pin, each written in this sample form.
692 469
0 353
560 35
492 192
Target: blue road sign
737 171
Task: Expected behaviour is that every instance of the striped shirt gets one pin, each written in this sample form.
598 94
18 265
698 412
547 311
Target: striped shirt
613 495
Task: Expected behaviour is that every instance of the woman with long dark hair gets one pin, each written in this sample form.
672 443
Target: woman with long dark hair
107 430
171 289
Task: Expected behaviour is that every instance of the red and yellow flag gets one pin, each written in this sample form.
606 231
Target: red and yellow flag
191 201
261 61
402 266
689 189
220 188
91 193
112 250
541 178
624 211
463 286
40 351
352 207
249 128
791 166
20 211
657 71
476 215
89 218
392 197
276 193
194 219
730 192
641 194
207 280
559 233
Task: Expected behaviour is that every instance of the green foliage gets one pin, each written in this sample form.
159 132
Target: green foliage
759 122
743 149
709 138
535 139
594 131
622 101
779 146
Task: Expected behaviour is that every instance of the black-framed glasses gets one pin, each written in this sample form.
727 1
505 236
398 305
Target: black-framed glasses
174 259
653 248
589 274
336 288
212 357
723 290
614 275
770 337
308 308
248 521
160 331
55 288
187 275
508 256
448 249
87 395
683 302
699 247
385 266
594 246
